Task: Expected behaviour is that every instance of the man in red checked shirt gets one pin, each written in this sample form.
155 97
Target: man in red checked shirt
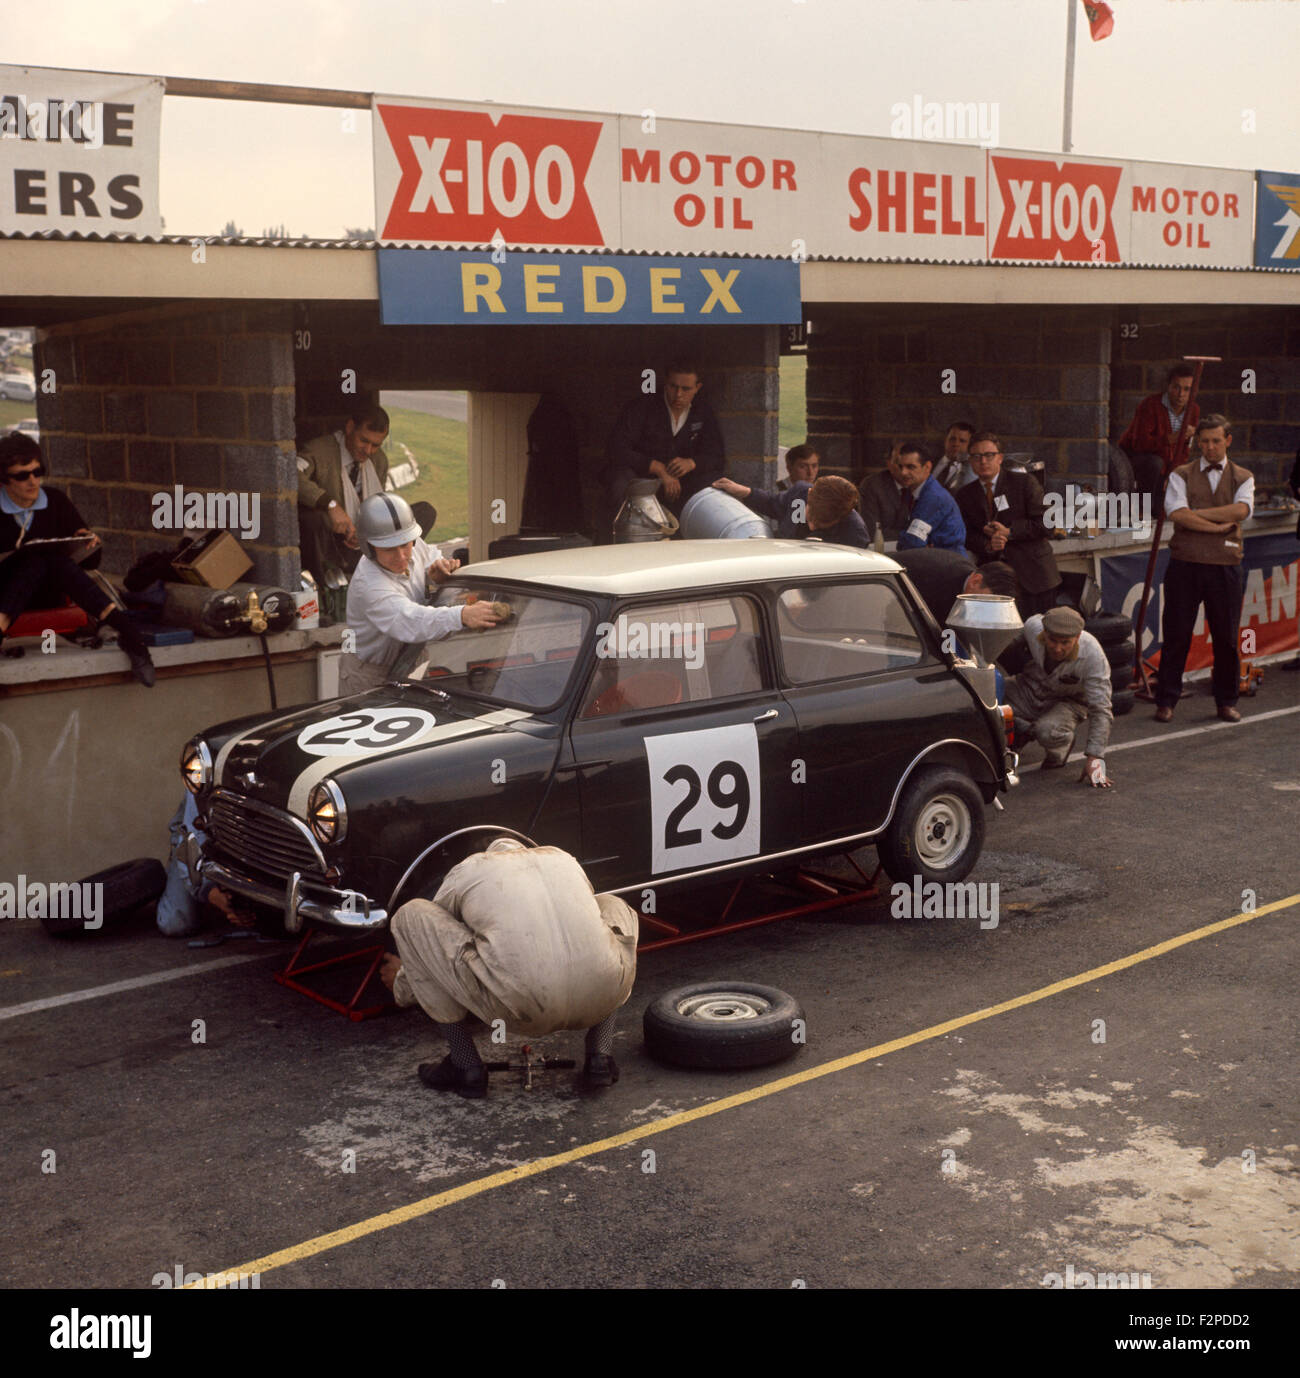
1149 440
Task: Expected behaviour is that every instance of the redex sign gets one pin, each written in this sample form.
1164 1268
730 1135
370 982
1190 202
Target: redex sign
437 287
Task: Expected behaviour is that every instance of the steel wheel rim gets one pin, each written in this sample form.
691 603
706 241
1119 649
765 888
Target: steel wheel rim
722 1007
943 831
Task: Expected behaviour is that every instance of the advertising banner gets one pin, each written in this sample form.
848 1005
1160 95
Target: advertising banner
1270 565
506 288
466 176
1277 220
79 152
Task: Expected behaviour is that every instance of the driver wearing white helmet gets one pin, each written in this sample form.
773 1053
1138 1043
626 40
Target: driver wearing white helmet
388 606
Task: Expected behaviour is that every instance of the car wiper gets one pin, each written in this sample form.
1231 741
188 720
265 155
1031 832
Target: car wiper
428 688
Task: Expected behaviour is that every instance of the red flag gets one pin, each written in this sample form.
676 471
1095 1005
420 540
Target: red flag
1100 19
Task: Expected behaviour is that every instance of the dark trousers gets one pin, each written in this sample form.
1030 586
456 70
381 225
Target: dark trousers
42 578
1148 473
1187 586
1027 604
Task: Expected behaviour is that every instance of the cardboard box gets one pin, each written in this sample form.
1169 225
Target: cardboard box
215 561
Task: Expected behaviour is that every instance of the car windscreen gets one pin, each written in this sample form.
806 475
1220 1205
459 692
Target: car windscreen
525 661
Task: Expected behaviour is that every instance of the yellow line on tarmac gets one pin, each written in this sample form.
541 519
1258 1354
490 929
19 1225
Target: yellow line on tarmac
323 1243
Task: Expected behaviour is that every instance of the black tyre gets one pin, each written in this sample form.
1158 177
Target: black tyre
723 1024
937 831
1120 652
127 887
1109 627
1121 676
1122 701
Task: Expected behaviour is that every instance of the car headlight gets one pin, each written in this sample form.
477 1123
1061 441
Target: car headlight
196 765
327 813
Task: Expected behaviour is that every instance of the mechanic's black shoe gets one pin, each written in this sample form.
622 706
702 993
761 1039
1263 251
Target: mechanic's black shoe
134 646
446 1076
600 1069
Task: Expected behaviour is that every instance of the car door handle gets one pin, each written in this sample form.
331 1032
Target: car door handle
771 713
582 765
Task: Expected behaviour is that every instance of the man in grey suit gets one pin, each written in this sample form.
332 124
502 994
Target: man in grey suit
336 474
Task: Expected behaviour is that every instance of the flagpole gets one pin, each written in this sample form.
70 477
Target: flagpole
1066 144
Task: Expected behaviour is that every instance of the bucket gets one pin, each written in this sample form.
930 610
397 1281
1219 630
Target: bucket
642 517
714 515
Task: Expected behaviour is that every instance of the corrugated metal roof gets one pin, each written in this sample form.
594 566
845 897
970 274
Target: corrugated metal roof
246 241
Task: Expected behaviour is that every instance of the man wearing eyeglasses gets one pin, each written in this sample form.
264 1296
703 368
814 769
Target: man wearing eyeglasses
1003 512
34 574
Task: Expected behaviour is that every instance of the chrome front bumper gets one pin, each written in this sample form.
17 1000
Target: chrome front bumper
297 901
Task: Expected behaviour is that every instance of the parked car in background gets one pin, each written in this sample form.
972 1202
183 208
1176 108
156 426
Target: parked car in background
666 712
17 387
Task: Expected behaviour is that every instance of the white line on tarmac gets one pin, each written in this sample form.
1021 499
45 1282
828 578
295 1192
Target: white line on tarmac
135 982
1193 731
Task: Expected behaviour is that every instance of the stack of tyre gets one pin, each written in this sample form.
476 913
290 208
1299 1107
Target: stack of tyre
1115 632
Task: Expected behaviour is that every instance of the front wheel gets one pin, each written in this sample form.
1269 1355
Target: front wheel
937 831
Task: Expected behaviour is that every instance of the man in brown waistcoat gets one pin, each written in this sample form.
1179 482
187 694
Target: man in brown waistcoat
1206 500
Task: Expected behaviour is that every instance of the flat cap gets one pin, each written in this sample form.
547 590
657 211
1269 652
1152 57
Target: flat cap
1062 622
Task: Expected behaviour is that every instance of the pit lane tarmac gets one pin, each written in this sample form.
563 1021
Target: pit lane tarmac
1140 1121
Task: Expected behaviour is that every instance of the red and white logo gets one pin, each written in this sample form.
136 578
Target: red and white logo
465 177
1056 210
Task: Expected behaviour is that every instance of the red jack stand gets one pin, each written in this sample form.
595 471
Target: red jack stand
372 955
834 891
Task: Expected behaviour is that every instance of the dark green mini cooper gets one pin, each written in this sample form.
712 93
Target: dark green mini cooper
665 712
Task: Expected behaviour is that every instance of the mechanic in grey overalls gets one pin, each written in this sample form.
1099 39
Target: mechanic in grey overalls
388 608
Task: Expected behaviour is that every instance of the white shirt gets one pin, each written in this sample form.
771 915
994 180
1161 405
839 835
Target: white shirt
677 421
1176 491
389 612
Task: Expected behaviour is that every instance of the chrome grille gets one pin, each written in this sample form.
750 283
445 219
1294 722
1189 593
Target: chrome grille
267 839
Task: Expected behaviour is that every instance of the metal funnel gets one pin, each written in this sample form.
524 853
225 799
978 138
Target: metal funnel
986 622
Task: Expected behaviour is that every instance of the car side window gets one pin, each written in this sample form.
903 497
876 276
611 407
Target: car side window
839 631
686 651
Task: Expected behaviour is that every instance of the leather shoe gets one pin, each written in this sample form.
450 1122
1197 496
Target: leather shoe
600 1069
446 1076
141 667
1164 713
1228 713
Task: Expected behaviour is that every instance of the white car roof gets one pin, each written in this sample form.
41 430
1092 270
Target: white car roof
669 566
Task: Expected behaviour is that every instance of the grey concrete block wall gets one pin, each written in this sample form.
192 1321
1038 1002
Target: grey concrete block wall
202 397
1259 349
1060 382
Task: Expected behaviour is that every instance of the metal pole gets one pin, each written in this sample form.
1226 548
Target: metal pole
1066 144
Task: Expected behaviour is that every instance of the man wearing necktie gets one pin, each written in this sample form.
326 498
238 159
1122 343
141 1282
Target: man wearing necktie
1003 512
1206 500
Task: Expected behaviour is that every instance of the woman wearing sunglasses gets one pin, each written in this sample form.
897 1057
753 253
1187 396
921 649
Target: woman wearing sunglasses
34 575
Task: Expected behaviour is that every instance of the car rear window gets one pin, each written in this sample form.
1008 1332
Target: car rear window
686 651
839 631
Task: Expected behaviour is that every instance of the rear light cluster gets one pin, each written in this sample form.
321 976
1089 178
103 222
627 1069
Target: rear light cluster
1008 724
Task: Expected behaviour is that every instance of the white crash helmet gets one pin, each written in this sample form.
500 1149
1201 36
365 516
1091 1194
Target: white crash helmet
386 520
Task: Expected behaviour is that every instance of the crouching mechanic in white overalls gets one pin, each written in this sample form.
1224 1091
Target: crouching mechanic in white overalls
388 597
515 934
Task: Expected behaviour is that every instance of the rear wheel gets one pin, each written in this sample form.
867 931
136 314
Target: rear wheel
937 831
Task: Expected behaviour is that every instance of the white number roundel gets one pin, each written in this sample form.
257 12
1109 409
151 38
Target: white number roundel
365 730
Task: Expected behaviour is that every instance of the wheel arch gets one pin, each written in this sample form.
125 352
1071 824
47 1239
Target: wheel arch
439 857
